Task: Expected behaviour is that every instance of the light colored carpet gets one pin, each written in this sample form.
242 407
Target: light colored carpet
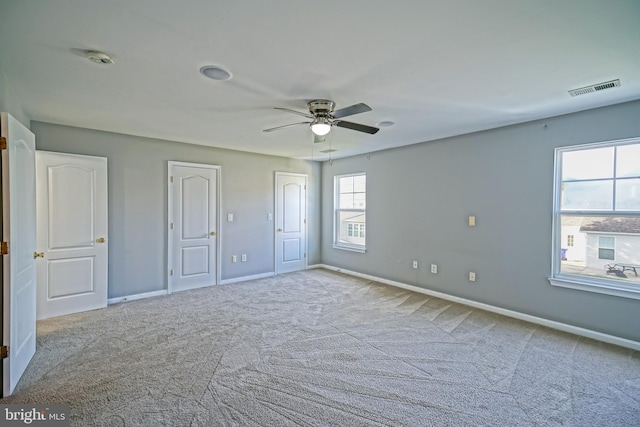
319 348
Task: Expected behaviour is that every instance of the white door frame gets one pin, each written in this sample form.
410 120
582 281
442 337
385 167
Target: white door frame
170 263
277 207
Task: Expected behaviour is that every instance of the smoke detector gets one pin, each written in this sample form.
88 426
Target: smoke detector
595 88
98 57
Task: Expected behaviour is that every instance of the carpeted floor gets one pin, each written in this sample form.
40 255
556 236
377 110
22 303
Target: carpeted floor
317 348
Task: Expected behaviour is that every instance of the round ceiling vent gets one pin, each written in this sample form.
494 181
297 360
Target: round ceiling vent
215 72
385 124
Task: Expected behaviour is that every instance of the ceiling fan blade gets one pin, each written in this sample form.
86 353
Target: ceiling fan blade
356 126
351 110
307 115
285 126
319 138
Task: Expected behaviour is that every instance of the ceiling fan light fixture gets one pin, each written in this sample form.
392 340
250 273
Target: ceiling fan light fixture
320 126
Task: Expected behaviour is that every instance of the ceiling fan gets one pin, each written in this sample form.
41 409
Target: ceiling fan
323 117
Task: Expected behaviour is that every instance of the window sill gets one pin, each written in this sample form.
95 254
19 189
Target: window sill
600 286
359 249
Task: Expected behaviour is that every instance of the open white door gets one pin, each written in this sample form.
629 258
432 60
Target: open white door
72 233
291 222
19 231
193 224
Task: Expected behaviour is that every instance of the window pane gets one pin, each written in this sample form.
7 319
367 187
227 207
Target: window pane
606 242
628 160
346 184
588 164
606 254
348 223
346 201
628 194
359 200
360 183
587 195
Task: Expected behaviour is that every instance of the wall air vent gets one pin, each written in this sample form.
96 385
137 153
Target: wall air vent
328 151
595 88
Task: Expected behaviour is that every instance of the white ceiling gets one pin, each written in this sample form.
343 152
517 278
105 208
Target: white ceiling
435 68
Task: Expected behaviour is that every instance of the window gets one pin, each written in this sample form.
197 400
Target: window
350 193
569 240
606 248
597 208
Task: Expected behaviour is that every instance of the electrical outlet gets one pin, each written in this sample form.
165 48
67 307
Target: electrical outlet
472 276
434 268
472 221
243 258
415 264
234 258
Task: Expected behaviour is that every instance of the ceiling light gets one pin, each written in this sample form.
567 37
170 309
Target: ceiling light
320 126
98 57
215 72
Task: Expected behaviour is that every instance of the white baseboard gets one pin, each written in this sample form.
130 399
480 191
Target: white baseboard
117 300
245 278
611 339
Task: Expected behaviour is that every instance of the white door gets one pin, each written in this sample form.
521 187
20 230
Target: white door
19 230
291 222
72 233
193 224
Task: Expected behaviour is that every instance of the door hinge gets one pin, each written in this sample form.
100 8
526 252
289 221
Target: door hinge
171 179
172 226
4 352
4 248
171 272
3 143
305 220
305 254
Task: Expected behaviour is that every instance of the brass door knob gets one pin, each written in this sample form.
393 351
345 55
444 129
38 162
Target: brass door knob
213 233
100 240
38 255
279 230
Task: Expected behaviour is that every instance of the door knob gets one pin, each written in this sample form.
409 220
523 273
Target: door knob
100 240
38 255
279 230
213 233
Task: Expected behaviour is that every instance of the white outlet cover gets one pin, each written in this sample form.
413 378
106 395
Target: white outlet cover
434 268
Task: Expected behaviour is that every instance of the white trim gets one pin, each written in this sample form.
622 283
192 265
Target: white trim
134 297
604 286
246 278
588 333
169 248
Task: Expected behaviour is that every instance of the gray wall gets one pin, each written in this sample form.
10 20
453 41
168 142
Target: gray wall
138 202
9 102
419 198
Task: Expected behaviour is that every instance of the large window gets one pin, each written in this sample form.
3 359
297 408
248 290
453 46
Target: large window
597 218
350 211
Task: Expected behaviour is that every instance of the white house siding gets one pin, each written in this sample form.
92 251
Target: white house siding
578 250
627 249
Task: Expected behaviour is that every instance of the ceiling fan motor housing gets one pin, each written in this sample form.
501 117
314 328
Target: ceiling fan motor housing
321 107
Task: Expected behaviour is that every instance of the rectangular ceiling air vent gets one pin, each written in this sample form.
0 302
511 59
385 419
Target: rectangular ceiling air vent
328 151
595 88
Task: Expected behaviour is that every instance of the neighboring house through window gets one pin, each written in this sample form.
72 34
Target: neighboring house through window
350 192
597 217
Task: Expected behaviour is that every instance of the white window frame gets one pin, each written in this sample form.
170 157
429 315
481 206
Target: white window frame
600 285
337 244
